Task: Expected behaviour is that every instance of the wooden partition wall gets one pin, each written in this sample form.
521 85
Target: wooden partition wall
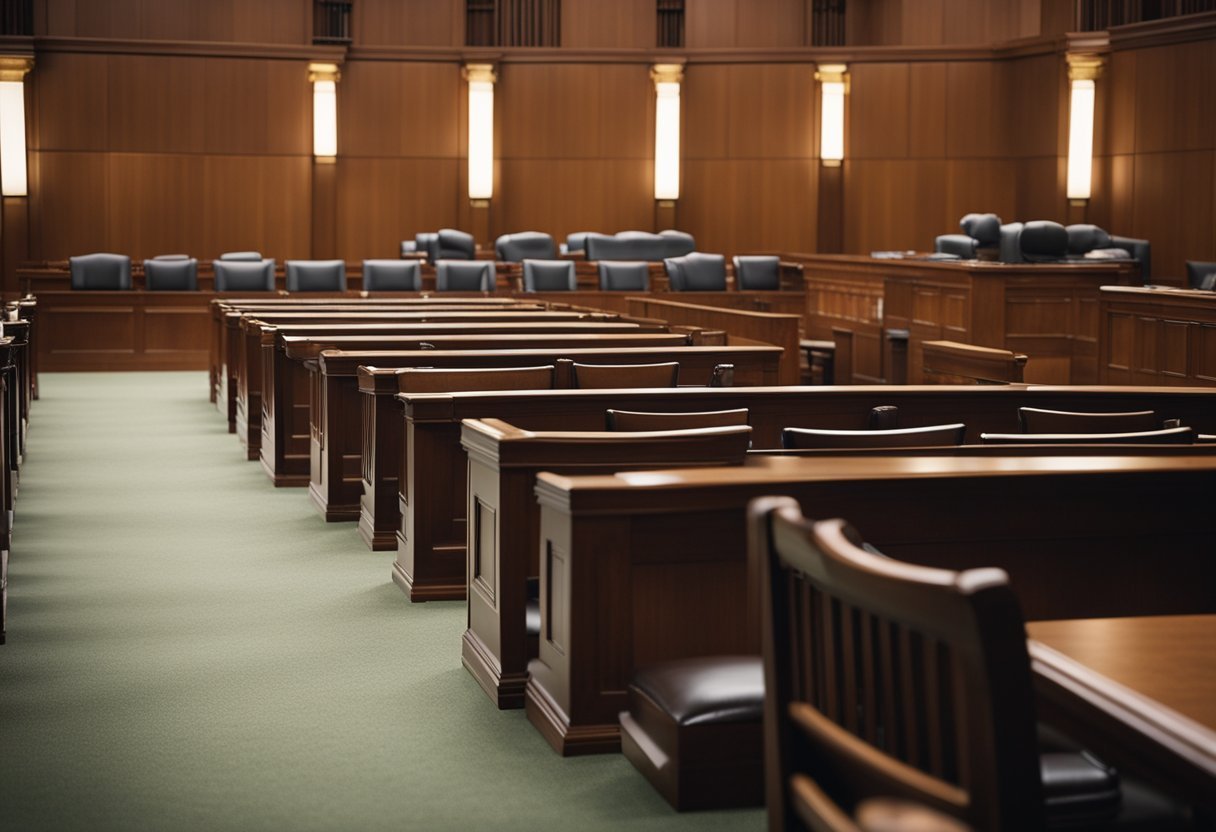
185 126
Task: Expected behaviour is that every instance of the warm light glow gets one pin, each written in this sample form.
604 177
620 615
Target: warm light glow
324 119
833 87
1081 139
12 139
667 140
481 139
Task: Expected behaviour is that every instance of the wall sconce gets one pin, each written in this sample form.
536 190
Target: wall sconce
324 78
481 78
13 177
833 86
1083 70
667 79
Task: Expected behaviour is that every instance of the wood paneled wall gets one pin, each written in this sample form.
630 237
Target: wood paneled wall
954 22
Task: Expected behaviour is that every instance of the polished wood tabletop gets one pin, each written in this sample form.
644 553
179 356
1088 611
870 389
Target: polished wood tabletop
1145 688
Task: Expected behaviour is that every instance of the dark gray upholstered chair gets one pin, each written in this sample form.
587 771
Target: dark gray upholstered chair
577 240
316 275
392 276
549 276
1043 241
427 242
526 245
171 273
242 256
409 247
100 271
244 275
456 245
624 276
678 243
1010 250
464 275
757 272
628 245
979 231
1092 242
1201 275
697 272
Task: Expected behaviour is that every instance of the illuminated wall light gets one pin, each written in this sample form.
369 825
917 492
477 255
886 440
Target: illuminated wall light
13 178
1082 72
481 78
324 78
667 79
833 86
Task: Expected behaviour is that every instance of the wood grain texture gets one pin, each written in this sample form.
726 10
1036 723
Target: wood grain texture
266 21
408 23
594 24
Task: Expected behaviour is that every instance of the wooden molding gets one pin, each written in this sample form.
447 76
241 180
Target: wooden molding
1169 30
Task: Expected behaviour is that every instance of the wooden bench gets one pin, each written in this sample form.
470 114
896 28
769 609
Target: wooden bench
644 567
503 532
949 362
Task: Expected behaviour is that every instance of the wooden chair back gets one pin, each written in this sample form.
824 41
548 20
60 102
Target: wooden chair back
628 420
424 380
1166 436
592 376
884 678
1037 420
932 436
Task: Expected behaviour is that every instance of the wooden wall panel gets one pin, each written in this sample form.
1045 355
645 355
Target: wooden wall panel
705 111
879 103
772 111
408 22
230 21
71 102
709 23
750 205
744 23
561 196
151 187
1174 97
621 24
257 202
145 95
405 109
895 204
955 22
384 201
69 207
1174 208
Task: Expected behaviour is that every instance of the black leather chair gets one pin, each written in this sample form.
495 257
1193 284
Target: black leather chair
244 275
627 245
455 245
426 242
1091 242
1043 241
525 245
757 272
624 276
171 273
100 271
316 276
242 256
677 243
1201 275
696 272
980 231
549 276
392 276
464 276
576 241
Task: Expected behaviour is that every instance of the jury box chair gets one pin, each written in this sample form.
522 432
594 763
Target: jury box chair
392 276
549 276
464 275
244 275
757 272
100 271
316 276
696 272
1200 275
624 276
514 248
171 273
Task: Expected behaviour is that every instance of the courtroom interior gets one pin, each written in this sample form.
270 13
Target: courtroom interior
648 414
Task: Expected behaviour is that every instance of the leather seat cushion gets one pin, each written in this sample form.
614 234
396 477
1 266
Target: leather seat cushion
713 689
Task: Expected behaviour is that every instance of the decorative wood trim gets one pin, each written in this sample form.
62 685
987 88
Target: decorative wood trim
1169 30
195 49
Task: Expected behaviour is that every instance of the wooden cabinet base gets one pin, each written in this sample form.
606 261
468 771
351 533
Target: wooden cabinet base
506 691
567 739
425 592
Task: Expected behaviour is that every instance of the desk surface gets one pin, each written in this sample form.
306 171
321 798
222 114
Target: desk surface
1148 685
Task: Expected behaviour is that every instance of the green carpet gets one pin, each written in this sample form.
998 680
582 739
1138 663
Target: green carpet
190 648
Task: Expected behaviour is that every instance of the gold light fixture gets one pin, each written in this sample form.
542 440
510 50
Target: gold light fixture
324 78
14 180
667 79
481 78
833 86
1083 71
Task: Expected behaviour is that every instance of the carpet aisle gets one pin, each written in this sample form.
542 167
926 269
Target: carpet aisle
190 648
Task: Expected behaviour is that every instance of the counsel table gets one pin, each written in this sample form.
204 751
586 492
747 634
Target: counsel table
1139 691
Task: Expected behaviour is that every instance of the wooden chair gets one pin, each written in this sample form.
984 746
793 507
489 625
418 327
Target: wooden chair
592 376
931 436
637 420
423 380
1037 420
1166 436
888 679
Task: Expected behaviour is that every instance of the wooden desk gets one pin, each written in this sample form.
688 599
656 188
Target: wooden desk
1157 335
1140 692
1047 311
649 566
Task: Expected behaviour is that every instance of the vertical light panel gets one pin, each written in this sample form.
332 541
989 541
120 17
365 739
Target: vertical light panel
833 85
324 79
13 177
481 78
667 79
1082 72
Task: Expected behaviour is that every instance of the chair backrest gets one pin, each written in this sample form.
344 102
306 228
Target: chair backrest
1201 275
984 229
1037 420
589 376
637 420
171 273
628 245
577 240
392 276
1084 237
464 276
887 678
427 242
677 243
409 247
757 272
549 276
624 276
958 245
316 275
1010 247
1165 436
428 380
933 436
697 272
242 256
514 248
455 245
1043 241
100 271
243 275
